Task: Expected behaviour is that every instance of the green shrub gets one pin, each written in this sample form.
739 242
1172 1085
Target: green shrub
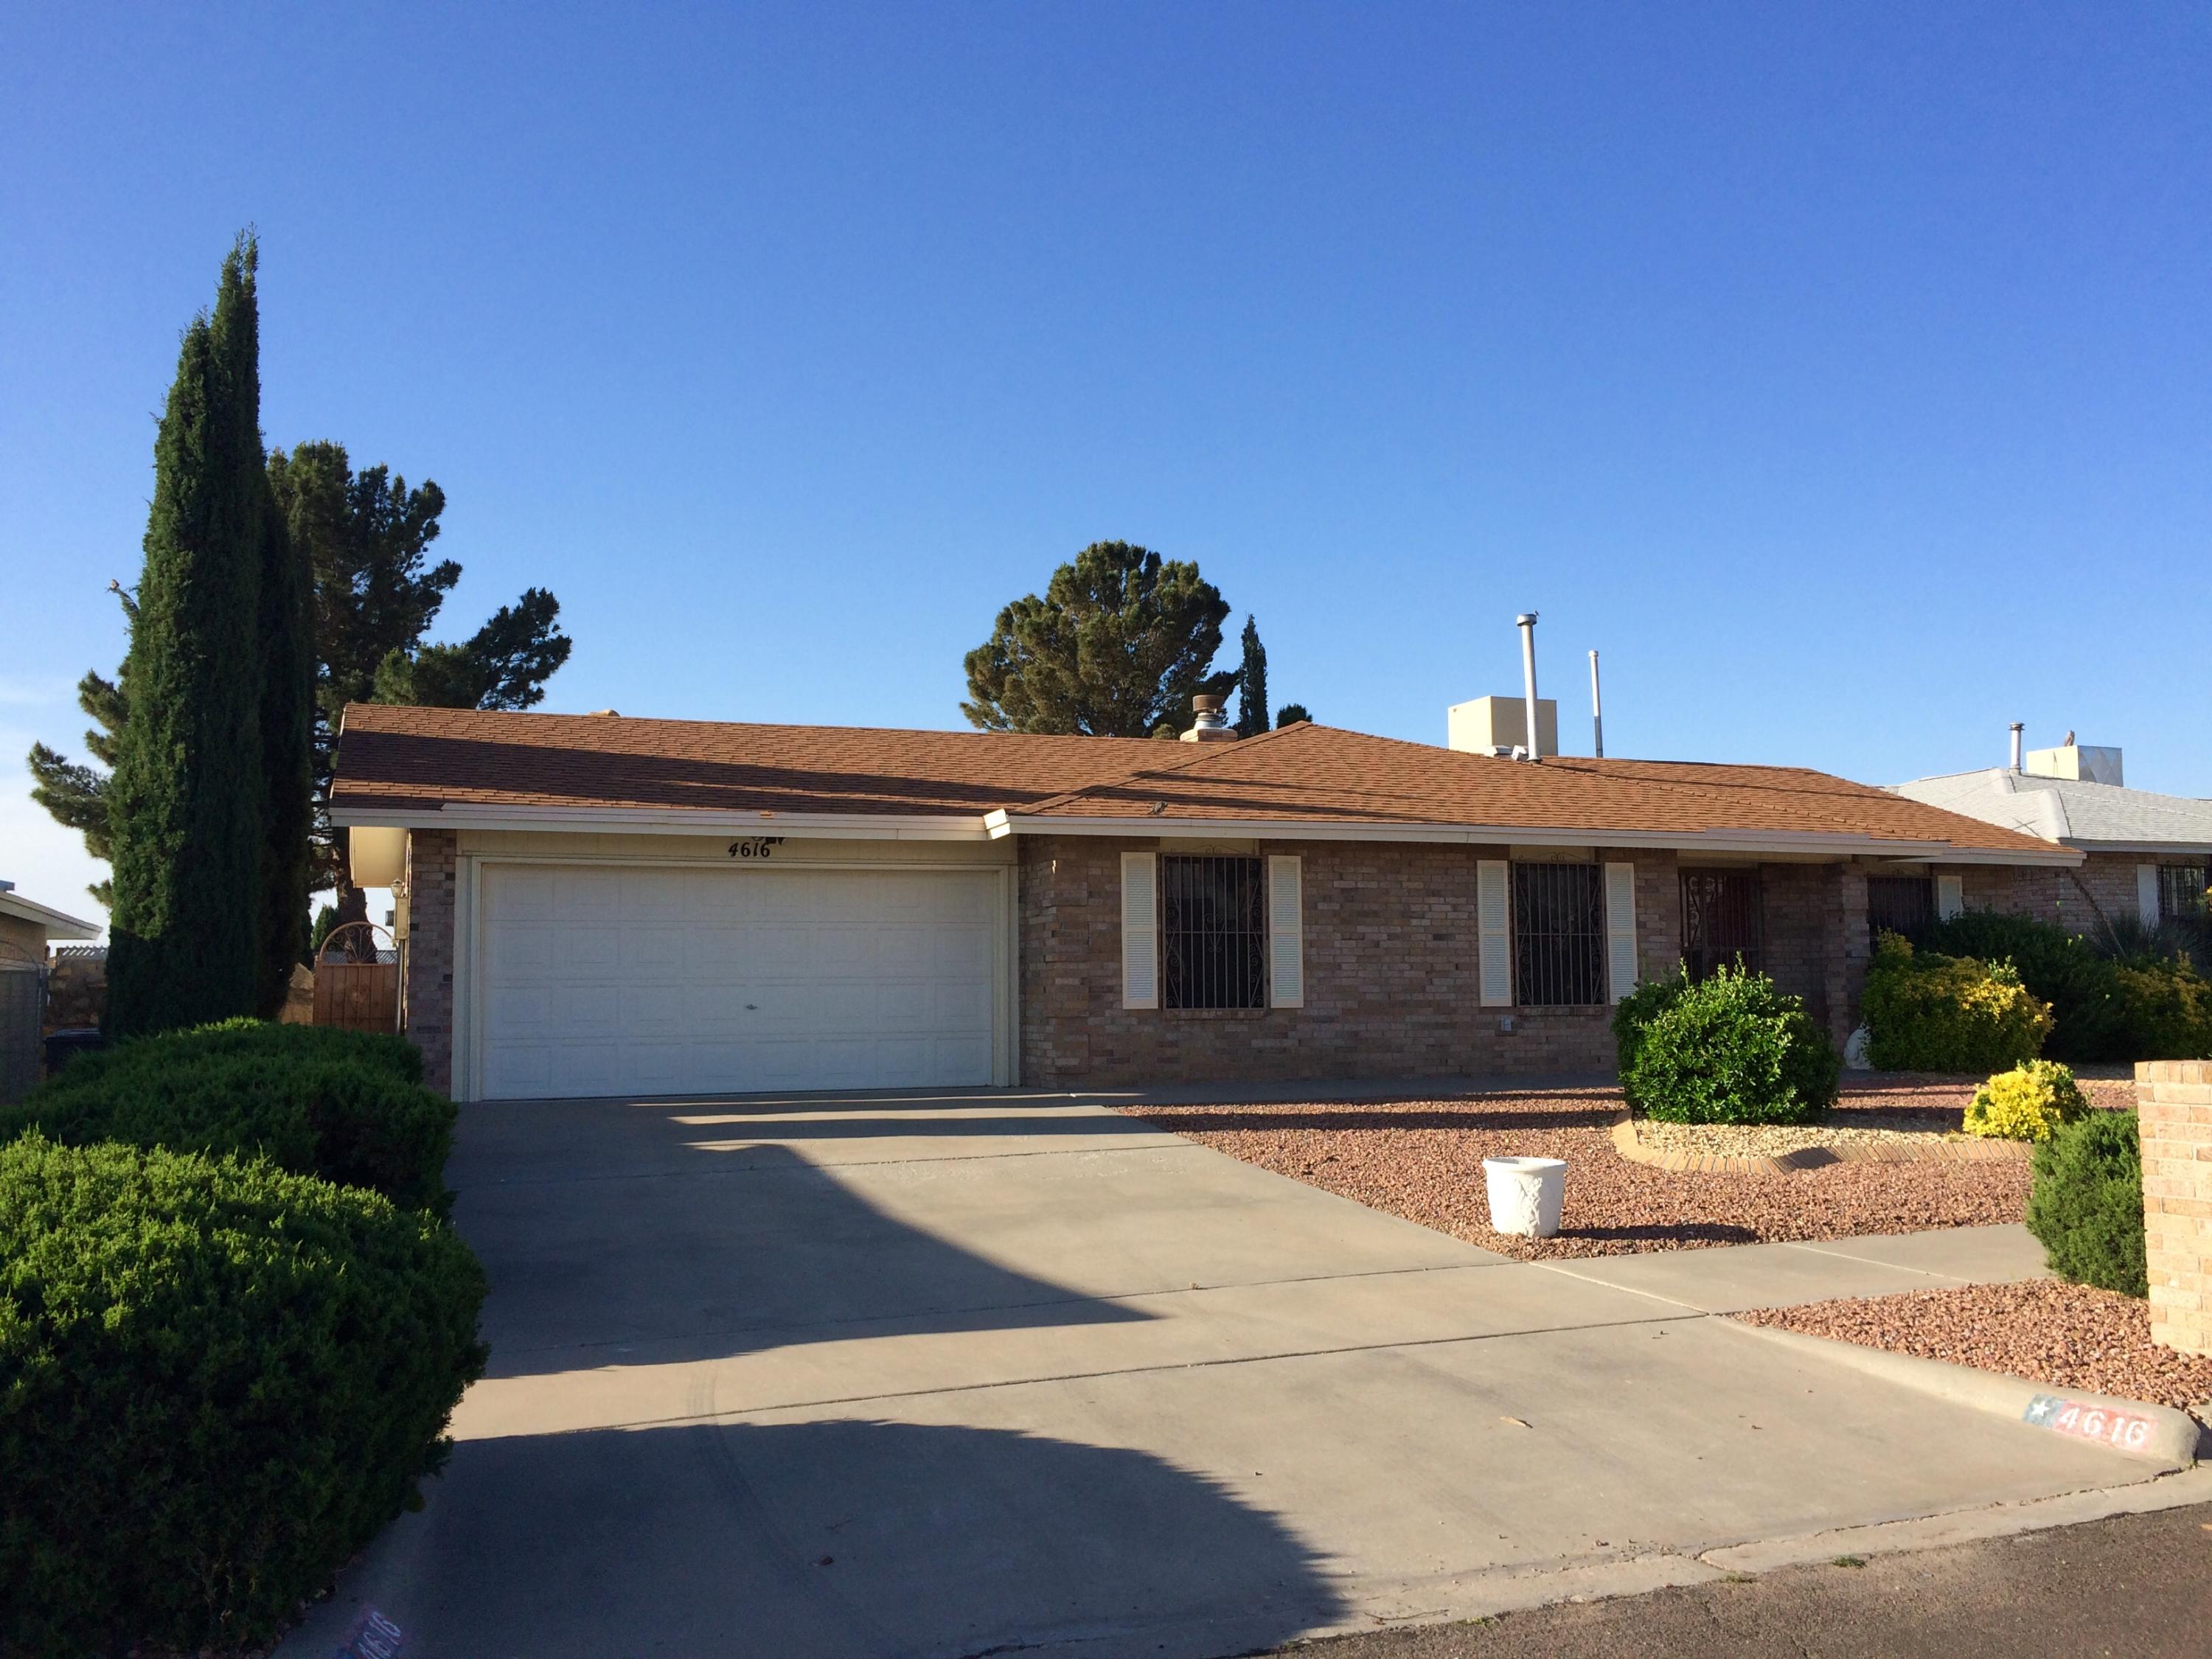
1926 1012
217 1381
343 1105
1637 1011
2028 1103
1731 1049
2129 994
2087 1204
2169 1009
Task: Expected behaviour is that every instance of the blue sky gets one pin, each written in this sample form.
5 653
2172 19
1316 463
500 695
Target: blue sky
1841 372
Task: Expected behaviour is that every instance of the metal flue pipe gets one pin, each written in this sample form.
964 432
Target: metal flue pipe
2018 758
1525 622
1597 710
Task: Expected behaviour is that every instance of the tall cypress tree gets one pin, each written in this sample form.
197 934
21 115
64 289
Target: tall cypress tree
287 752
186 802
1252 683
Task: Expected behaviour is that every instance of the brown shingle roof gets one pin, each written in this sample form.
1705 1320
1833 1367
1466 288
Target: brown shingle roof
413 760
436 757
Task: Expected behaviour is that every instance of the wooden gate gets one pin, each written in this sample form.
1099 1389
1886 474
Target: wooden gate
358 996
352 994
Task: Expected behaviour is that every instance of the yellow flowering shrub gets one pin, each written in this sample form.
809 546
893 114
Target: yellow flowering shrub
2028 1103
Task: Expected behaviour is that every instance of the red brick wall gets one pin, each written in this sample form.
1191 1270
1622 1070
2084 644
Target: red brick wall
1391 985
427 1012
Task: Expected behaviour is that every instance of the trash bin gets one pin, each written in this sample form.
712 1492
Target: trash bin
1525 1194
66 1045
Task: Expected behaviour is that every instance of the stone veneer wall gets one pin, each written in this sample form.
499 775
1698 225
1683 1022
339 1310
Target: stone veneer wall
426 980
1391 984
2174 1105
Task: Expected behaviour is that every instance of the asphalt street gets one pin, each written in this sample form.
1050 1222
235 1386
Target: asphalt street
2133 1587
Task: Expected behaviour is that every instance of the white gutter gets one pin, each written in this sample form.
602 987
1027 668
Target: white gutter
669 821
1002 824
998 825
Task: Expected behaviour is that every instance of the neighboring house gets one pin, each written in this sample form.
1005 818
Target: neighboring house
596 905
2145 855
25 928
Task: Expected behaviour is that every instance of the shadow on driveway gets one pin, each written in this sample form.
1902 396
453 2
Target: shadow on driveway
841 1537
659 1268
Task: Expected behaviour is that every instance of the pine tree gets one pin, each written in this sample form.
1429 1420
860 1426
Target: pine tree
1252 683
287 752
186 812
1118 645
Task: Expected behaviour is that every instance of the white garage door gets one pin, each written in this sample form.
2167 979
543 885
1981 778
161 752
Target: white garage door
615 982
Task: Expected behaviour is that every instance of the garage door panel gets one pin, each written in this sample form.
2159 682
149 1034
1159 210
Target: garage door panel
614 981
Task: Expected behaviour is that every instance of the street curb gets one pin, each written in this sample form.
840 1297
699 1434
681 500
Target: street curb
2170 1441
2166 1491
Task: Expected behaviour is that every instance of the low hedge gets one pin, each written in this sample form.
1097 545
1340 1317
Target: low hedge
1926 1012
347 1106
2169 1009
2088 1007
2031 1101
2105 1006
217 1381
2086 1206
1727 1049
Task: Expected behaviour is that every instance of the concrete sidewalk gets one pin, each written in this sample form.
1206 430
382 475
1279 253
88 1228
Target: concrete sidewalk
907 1375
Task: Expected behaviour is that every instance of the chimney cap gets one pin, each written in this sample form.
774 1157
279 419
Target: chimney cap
1526 619
1209 705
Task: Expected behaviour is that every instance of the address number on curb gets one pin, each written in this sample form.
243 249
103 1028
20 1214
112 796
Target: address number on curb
2123 1428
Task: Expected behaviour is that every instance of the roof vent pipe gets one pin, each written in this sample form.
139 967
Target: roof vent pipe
1208 723
1525 622
1597 711
2016 754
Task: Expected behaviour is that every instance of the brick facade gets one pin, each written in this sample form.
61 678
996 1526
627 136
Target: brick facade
427 979
2174 1105
1391 981
2103 888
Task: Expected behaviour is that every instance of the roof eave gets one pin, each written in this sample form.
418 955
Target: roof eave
663 821
57 925
1002 824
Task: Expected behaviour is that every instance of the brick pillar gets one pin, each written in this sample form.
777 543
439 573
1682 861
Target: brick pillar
427 1012
1846 947
2174 1099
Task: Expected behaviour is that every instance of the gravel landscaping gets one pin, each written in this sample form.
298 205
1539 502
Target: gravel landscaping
2069 1336
1422 1159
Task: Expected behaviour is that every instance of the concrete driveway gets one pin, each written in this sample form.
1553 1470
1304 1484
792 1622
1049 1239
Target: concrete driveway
957 1376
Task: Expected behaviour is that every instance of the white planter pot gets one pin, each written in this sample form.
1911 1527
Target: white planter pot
1525 1194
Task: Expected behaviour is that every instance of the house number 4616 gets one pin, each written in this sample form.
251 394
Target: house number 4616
758 846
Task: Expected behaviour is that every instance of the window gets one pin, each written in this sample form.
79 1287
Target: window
1719 919
1558 933
2180 891
1213 932
1899 904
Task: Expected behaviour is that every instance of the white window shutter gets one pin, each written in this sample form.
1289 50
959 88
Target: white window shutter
1950 895
1286 935
1140 930
2146 894
1620 928
1494 931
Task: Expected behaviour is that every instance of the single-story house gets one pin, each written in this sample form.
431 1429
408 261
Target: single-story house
596 905
2144 855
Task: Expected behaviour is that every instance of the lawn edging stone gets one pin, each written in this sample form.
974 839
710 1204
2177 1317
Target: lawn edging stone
1936 1149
